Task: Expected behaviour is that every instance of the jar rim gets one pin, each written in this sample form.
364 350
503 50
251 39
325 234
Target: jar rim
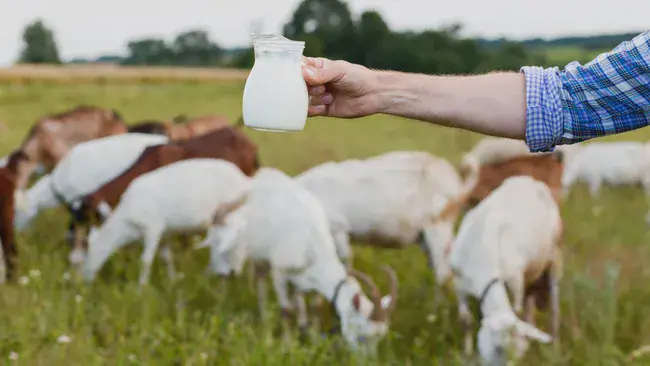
276 41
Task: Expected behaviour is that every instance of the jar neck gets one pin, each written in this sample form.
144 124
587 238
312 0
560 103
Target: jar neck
289 56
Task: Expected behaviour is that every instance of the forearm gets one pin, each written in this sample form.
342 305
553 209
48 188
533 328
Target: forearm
492 104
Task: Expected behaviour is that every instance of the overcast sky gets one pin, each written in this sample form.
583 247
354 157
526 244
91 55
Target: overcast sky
87 28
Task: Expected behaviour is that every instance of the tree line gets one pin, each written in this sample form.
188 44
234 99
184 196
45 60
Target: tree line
329 29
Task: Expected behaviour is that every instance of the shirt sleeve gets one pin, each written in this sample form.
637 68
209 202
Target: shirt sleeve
608 95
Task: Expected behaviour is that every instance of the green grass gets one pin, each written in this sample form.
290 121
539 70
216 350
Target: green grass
198 320
561 56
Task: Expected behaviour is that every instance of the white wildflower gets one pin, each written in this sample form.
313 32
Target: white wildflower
63 339
13 356
180 275
78 298
66 276
23 280
431 318
132 357
34 273
204 356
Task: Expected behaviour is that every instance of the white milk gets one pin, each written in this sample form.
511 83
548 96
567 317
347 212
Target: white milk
275 95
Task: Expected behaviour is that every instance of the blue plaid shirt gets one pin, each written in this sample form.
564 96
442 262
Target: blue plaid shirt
608 95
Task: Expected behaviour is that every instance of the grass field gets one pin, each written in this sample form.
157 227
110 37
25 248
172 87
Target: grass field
561 56
49 319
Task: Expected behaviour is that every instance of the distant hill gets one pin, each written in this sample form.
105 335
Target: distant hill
559 50
595 42
227 54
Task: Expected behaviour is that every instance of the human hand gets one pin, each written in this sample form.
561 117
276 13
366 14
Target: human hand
339 88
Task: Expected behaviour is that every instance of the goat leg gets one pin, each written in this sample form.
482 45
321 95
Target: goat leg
286 307
168 257
555 307
466 323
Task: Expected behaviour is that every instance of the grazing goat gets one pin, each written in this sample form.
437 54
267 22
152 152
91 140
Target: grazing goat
283 226
185 196
53 136
615 163
228 143
500 158
85 168
510 238
490 150
8 177
391 200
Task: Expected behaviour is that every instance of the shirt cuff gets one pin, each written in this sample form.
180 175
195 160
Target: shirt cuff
544 123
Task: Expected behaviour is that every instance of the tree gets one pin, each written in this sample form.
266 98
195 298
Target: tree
195 48
327 28
372 31
40 46
149 51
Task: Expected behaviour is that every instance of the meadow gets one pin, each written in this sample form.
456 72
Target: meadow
49 318
562 55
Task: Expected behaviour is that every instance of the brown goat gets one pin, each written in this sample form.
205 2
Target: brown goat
54 135
228 143
545 167
8 177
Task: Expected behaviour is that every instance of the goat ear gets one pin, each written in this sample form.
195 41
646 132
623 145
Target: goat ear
386 301
356 302
529 331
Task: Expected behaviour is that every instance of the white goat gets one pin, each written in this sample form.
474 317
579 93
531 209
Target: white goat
510 238
186 196
285 227
392 200
492 150
615 163
83 169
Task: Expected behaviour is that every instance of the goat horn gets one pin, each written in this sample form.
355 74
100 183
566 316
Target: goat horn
393 287
375 293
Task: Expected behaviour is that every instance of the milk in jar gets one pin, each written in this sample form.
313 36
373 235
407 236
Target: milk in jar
275 95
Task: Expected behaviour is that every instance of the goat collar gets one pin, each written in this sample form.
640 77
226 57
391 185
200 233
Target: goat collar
336 328
59 197
337 289
492 282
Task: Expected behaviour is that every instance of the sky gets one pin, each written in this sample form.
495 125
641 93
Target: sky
88 28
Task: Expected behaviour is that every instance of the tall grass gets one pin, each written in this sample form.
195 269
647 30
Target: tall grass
48 318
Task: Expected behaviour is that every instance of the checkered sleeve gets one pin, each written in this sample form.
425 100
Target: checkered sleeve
608 95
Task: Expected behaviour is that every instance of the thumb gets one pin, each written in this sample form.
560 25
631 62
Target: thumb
319 70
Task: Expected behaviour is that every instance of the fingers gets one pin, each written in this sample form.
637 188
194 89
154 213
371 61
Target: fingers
319 71
316 62
316 90
318 104
312 75
322 99
317 110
